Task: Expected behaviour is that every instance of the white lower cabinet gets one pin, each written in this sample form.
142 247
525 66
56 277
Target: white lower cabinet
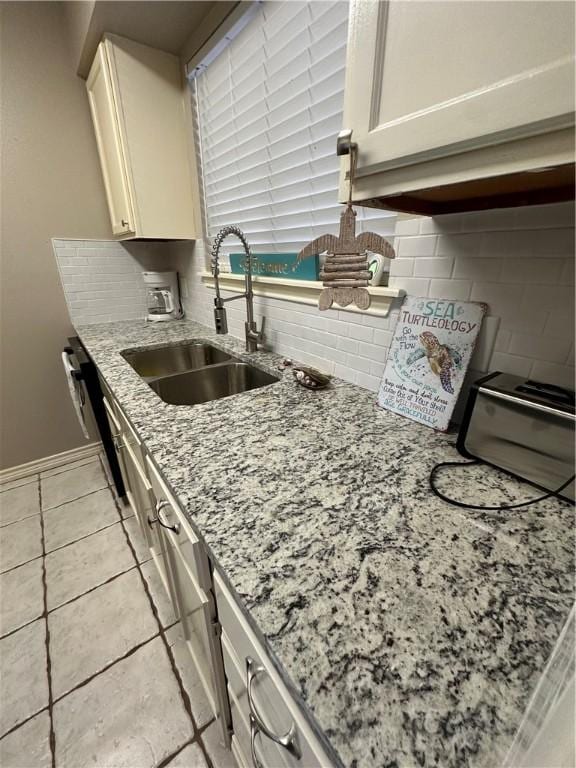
189 584
260 721
269 728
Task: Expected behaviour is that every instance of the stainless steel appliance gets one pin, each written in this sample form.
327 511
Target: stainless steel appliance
85 375
522 426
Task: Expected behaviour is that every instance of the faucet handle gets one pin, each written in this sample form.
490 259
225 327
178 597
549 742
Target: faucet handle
253 336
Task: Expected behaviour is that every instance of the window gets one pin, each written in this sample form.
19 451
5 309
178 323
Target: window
269 110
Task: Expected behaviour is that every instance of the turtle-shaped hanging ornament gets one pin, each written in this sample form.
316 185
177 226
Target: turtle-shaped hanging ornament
345 273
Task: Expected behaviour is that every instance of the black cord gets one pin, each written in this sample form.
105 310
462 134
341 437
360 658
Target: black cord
440 495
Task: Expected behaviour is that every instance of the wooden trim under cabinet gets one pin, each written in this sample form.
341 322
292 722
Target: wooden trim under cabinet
550 185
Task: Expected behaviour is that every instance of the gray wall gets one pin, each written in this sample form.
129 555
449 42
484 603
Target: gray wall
51 186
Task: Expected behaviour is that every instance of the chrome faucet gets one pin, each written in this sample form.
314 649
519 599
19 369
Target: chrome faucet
220 321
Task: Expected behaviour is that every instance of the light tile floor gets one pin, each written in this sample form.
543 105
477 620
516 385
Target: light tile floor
94 671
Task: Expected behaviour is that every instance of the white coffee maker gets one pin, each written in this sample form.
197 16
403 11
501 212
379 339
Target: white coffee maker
162 296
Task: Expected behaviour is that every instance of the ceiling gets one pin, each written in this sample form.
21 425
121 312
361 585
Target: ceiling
163 24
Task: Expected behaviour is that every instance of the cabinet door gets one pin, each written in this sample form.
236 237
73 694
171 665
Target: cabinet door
115 431
112 160
426 80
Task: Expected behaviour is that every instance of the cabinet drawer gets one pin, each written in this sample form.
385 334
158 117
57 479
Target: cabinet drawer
183 537
106 393
112 420
273 703
130 436
267 754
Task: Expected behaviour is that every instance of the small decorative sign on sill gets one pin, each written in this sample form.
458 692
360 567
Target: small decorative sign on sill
285 265
430 352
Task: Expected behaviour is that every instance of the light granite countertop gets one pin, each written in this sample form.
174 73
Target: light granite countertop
413 632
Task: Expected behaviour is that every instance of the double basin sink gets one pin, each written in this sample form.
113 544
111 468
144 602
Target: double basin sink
195 372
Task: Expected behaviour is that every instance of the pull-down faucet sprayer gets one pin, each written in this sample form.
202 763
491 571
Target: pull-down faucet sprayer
220 321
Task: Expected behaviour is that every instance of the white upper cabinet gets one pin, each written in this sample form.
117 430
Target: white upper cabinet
454 104
137 102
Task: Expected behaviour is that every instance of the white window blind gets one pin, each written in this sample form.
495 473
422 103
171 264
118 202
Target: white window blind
269 111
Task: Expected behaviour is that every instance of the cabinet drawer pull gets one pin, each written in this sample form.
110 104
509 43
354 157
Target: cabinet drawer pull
124 223
290 739
254 730
170 526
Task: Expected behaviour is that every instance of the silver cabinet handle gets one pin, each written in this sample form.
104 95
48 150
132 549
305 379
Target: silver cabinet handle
253 733
171 527
290 739
118 444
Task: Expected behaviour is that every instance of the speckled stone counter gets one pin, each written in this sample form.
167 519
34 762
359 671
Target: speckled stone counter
413 632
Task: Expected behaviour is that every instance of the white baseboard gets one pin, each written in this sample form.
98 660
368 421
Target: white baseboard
49 462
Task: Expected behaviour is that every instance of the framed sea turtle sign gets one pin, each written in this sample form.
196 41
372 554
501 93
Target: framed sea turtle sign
430 351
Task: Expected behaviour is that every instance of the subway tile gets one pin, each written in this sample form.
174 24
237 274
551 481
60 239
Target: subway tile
501 299
361 332
348 316
567 276
485 221
414 286
523 319
550 373
553 242
368 382
450 289
348 345
377 369
402 267
416 246
433 267
548 297
346 373
542 216
532 270
502 340
372 351
507 244
506 363
547 348
358 363
407 226
478 269
560 322
376 322
447 223
459 245
383 338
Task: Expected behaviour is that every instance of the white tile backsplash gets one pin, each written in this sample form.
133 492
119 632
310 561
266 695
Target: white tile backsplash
102 279
518 261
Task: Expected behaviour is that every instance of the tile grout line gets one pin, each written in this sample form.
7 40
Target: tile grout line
77 498
66 468
63 546
23 722
183 693
125 656
20 520
45 616
82 538
89 591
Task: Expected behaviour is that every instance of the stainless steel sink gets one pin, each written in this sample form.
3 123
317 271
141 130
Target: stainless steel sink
204 384
174 358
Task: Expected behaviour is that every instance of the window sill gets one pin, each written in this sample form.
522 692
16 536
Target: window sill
303 291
